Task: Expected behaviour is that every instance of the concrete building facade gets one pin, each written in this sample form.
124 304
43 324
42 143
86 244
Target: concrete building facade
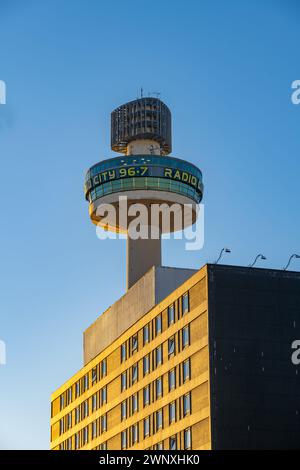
149 387
207 367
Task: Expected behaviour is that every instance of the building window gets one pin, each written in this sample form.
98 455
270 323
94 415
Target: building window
77 414
171 314
103 395
85 435
77 389
146 335
187 439
134 373
185 336
134 343
77 440
85 409
185 303
103 368
85 382
146 364
123 410
94 429
171 346
123 352
186 404
186 370
94 402
172 379
61 426
158 324
69 395
159 387
159 446
103 423
146 426
158 356
172 412
62 401
134 399
124 439
94 375
173 443
147 395
135 433
103 446
159 419
69 420
123 381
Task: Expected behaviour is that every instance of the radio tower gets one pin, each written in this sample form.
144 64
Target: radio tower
145 174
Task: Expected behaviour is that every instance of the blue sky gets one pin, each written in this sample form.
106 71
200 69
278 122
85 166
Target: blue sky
225 70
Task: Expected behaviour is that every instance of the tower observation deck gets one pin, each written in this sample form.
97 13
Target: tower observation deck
146 175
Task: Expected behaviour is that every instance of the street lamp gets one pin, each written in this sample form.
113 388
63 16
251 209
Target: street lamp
260 256
289 261
224 250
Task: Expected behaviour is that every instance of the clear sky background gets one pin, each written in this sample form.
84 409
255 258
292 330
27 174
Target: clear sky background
225 70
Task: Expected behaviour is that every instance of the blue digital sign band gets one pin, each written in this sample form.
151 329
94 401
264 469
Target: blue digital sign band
146 167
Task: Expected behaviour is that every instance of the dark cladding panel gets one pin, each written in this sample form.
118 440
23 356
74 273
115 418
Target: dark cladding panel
254 317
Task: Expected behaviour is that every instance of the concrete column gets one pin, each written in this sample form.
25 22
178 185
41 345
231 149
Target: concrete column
141 256
143 147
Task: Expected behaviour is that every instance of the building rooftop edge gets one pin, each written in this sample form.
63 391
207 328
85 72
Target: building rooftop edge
249 268
139 280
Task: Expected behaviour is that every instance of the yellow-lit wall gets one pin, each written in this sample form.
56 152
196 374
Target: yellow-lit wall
197 420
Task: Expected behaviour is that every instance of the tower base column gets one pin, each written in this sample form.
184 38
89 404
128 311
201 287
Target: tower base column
142 254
